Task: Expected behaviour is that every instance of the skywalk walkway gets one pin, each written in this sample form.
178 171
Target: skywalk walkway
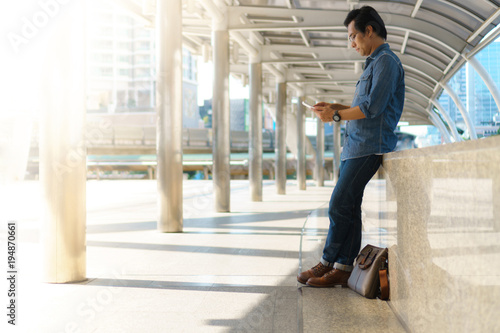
227 272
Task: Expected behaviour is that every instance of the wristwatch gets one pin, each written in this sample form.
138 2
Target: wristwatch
336 116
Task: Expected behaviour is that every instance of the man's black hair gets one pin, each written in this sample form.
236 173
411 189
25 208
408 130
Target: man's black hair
364 17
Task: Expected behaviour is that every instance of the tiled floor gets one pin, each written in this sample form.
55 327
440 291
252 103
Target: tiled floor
227 272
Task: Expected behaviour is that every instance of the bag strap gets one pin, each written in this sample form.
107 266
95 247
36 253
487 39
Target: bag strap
384 284
383 274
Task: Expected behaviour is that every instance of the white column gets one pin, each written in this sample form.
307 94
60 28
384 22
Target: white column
169 111
463 111
320 153
62 147
488 80
440 125
451 123
220 115
280 150
255 128
336 151
301 143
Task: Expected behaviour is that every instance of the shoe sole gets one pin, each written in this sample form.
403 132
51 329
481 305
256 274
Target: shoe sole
300 281
343 285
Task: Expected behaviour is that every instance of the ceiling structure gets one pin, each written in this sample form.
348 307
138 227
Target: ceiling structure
305 42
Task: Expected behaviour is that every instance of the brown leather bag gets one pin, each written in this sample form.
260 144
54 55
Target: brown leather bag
370 273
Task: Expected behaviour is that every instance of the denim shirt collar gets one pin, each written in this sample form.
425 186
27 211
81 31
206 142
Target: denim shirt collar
375 53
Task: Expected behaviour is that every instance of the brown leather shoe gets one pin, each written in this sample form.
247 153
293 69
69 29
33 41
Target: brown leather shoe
317 271
333 278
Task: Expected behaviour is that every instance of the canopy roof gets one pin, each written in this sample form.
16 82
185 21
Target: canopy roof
305 43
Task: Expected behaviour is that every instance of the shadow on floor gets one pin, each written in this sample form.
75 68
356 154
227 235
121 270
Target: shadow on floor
196 249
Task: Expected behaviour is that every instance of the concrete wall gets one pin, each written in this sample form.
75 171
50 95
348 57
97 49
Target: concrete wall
444 258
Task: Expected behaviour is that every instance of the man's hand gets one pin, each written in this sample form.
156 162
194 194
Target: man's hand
325 111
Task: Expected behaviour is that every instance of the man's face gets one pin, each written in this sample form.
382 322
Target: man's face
359 41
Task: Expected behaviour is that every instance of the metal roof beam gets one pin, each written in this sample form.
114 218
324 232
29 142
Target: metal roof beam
438 122
451 123
419 85
417 92
324 20
244 43
405 42
134 9
411 95
413 116
351 79
487 79
416 8
463 111
212 9
305 37
483 26
415 112
466 55
342 55
493 35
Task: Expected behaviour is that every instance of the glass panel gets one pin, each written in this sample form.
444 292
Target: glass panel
475 95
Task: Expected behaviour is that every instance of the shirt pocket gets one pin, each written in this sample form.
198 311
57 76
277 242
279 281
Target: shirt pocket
364 84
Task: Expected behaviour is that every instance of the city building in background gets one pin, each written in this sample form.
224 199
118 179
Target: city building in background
121 62
474 94
240 120
459 84
121 66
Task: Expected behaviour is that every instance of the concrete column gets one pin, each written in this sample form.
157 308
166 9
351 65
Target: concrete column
255 128
451 123
62 147
320 153
336 151
291 137
205 172
301 143
280 148
487 79
463 111
220 115
169 111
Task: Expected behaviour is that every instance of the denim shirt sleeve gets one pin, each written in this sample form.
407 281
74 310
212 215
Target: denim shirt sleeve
376 87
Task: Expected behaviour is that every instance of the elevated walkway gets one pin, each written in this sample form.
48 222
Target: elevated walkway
226 272
100 166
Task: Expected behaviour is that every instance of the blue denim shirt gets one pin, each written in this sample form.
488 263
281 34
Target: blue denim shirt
380 94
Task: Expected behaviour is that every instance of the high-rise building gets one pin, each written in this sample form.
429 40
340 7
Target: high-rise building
458 84
120 62
474 94
480 101
121 65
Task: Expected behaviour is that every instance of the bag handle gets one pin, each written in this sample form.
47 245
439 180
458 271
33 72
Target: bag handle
368 260
366 256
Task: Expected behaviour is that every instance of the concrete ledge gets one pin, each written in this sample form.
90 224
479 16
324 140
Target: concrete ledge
447 207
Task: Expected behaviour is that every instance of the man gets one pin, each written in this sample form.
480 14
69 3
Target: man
371 121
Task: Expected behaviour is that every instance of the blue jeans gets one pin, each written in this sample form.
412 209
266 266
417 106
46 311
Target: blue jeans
344 235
